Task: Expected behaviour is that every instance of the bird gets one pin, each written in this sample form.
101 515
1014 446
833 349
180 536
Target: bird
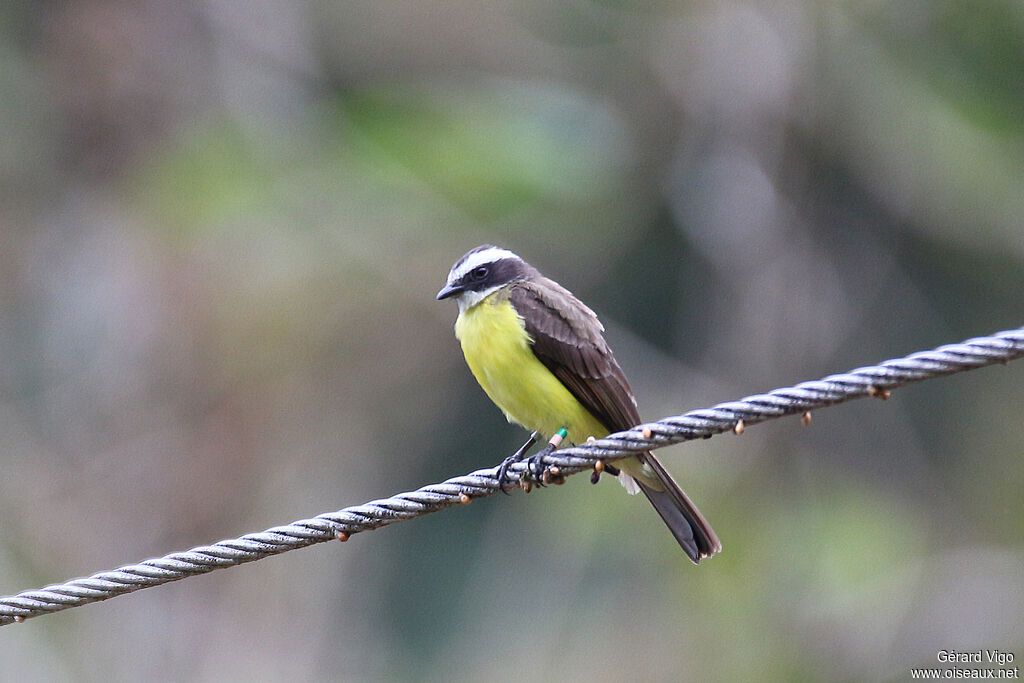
540 355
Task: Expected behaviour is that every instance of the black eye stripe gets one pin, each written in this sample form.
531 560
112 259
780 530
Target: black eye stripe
494 273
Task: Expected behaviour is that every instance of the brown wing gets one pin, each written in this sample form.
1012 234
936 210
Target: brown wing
568 340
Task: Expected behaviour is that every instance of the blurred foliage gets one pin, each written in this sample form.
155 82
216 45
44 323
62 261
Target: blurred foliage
223 229
494 151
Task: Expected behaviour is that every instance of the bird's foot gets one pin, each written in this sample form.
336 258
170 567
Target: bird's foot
536 466
514 458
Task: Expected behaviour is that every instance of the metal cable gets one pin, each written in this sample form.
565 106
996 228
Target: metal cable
874 380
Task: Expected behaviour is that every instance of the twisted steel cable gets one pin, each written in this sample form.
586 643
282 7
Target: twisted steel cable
875 380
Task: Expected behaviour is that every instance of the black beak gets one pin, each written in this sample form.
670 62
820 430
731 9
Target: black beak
449 290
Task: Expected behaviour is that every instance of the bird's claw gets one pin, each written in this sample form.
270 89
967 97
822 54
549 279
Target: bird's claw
536 466
503 472
512 459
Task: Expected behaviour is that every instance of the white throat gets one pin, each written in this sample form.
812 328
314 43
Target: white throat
468 299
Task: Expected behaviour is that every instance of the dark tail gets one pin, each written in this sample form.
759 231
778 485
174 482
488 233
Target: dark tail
682 517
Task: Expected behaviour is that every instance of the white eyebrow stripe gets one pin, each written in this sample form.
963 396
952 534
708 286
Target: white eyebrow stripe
478 259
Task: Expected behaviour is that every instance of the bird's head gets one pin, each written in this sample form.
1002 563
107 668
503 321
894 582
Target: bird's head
481 272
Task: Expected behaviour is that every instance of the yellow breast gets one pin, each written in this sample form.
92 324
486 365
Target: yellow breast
497 350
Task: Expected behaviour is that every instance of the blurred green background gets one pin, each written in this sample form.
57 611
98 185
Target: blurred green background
223 225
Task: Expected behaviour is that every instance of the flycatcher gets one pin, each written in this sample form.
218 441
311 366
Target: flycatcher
540 354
